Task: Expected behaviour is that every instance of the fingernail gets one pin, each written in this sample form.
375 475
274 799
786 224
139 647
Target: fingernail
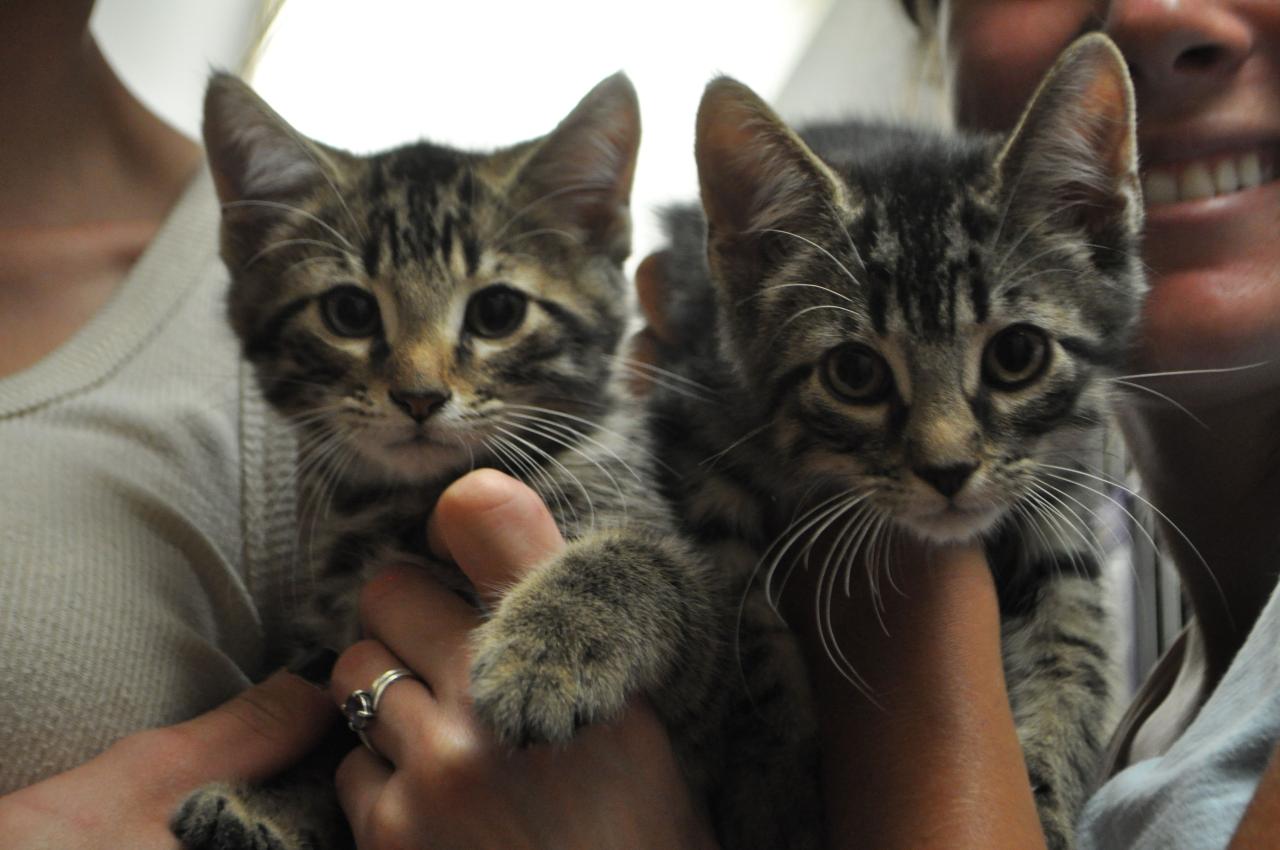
315 666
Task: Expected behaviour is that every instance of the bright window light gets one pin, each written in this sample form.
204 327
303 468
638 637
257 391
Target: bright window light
487 74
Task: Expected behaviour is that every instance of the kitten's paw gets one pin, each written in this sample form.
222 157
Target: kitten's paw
531 688
216 817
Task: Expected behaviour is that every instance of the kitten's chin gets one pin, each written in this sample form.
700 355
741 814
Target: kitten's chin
953 525
417 461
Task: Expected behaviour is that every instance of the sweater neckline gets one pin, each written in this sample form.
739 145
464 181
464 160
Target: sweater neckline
167 271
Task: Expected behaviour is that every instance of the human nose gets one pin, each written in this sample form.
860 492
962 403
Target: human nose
1179 48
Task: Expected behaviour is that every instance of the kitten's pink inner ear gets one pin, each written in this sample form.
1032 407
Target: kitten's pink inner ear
1107 97
724 151
253 152
581 174
755 173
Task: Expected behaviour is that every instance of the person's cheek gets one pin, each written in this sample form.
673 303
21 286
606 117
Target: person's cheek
997 51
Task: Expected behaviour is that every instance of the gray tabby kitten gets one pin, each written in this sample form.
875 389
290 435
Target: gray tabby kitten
913 335
426 311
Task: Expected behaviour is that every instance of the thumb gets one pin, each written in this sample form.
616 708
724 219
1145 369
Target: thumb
495 529
260 731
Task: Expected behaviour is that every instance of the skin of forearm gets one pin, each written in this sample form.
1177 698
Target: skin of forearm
1261 822
934 761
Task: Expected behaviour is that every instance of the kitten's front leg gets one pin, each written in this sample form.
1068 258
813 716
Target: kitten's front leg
573 641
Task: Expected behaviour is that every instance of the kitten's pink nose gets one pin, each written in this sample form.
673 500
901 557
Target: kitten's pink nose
419 405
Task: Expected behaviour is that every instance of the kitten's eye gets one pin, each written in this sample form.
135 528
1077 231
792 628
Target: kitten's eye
496 311
350 311
1015 357
857 374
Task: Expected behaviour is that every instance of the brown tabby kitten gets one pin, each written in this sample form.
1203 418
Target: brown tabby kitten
912 334
426 311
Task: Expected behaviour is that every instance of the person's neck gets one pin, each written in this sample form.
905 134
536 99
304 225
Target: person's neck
77 147
1219 482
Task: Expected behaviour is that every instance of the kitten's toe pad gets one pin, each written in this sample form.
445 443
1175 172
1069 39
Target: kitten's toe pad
533 691
215 818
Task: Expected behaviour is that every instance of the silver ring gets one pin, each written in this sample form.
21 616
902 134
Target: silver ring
361 708
384 681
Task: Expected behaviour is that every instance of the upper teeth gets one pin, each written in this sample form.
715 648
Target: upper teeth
1205 178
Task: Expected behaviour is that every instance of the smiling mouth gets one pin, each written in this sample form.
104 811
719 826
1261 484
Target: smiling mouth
1227 173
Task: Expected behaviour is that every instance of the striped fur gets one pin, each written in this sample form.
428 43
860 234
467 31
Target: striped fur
389 411
825 259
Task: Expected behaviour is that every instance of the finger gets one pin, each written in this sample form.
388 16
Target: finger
360 780
651 291
421 622
495 529
406 704
643 348
262 730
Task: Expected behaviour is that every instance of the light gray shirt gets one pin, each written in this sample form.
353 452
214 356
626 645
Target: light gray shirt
146 514
1194 795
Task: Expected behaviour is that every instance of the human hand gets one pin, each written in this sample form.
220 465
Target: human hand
444 781
919 745
126 796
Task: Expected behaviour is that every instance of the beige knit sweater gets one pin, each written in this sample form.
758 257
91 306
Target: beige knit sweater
146 515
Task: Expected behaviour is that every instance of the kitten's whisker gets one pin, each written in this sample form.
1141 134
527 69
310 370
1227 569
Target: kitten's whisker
285 243
1031 228
1058 523
328 179
319 258
525 468
783 541
826 582
1163 397
711 461
569 432
801 313
1085 534
658 370
594 426
556 463
541 231
1172 525
291 209
838 218
662 381
538 427
843 268
810 519
585 186
778 286
1222 371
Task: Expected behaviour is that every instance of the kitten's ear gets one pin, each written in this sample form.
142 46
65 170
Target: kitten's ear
253 153
580 174
757 178
1073 157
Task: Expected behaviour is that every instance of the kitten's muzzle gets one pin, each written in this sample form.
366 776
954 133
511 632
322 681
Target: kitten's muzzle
419 406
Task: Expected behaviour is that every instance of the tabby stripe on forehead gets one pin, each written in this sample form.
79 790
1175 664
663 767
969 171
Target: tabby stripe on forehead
471 252
979 296
264 340
879 306
446 239
372 251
